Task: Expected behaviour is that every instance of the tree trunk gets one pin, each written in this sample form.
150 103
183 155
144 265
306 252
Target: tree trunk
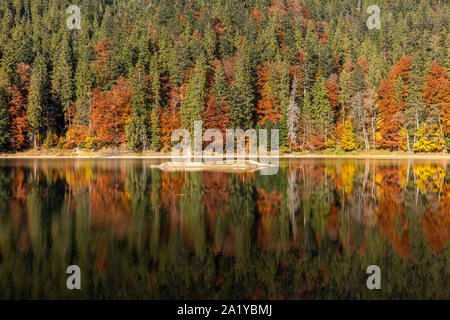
373 133
366 138
407 140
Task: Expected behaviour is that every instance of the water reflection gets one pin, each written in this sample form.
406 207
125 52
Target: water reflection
309 232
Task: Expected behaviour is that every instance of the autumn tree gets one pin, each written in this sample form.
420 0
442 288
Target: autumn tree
17 113
333 87
217 112
390 114
348 141
266 108
437 97
110 113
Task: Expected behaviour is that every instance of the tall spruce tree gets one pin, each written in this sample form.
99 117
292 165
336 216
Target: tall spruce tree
83 82
62 86
194 100
4 120
321 112
242 94
38 98
137 130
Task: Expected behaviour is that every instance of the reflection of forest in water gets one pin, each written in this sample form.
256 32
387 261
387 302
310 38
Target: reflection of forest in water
309 232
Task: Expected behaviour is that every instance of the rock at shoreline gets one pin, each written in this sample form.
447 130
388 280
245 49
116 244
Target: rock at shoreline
248 165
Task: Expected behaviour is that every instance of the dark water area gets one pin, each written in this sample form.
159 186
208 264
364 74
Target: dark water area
309 232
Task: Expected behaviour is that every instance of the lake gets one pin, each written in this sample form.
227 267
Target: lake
309 232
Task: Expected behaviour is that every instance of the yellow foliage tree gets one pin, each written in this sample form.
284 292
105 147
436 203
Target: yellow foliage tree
403 140
348 142
429 139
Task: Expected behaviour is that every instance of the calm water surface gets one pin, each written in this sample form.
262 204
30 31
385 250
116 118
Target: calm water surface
310 232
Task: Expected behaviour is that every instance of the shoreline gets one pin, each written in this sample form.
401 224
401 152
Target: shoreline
162 156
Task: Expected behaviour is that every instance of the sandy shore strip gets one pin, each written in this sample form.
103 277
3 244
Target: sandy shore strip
306 156
166 155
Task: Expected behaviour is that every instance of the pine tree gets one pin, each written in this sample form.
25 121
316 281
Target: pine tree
4 119
242 94
321 111
311 57
283 101
38 97
137 129
156 96
155 129
221 91
194 100
62 86
83 82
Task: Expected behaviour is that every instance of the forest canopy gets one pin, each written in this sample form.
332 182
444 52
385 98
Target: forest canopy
137 70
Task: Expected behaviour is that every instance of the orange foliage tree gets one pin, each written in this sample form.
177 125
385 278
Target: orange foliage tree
216 115
110 113
391 117
437 96
333 94
18 108
401 75
266 107
99 66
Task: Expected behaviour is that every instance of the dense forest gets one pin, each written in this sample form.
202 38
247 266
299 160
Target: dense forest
136 70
